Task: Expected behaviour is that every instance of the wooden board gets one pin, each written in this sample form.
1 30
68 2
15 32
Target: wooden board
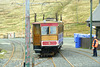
36 40
48 37
36 35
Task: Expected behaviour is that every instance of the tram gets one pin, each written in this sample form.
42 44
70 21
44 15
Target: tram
47 35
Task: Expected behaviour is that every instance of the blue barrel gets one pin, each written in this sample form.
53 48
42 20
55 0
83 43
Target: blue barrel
75 35
78 42
82 35
88 36
93 35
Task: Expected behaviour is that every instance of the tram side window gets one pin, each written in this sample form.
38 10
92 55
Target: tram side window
53 30
60 28
45 30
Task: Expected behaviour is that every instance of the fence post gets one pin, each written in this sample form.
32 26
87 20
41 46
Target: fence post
33 62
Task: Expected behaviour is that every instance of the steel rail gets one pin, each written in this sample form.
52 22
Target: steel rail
42 62
53 62
13 54
10 56
85 55
84 51
23 57
66 59
23 54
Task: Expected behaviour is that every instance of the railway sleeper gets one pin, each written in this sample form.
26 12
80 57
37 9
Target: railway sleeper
49 51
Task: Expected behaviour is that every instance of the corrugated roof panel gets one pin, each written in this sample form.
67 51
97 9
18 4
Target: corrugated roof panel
96 15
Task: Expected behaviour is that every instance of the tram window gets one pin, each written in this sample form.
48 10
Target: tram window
53 30
37 29
45 30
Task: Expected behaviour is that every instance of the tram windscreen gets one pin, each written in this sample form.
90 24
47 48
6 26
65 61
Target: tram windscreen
53 30
45 30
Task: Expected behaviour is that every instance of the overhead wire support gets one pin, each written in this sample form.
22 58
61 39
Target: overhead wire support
27 34
90 24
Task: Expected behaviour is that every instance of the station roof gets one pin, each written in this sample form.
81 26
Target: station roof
95 17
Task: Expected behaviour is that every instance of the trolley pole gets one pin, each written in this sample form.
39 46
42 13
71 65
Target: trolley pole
27 34
90 24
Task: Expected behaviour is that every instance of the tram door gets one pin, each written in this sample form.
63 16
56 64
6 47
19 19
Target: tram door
36 35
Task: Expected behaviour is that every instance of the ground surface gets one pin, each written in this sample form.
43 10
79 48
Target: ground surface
76 57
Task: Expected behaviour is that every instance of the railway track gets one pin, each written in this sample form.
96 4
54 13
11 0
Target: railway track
85 53
87 56
63 55
53 62
10 56
78 53
66 59
23 49
51 58
18 48
54 65
42 61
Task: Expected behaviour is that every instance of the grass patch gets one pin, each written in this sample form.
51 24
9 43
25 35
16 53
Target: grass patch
12 16
71 28
2 52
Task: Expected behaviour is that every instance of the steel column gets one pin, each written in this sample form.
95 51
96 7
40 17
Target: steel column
90 24
27 34
99 1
